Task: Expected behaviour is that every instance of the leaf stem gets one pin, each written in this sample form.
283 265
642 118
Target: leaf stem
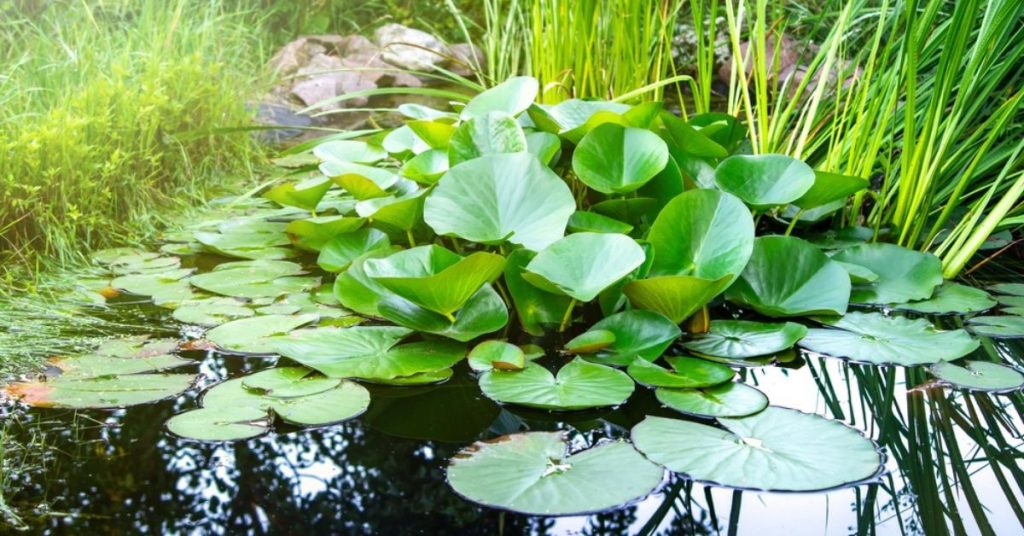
567 318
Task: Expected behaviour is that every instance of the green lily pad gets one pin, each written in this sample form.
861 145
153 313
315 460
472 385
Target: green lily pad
574 118
979 376
858 274
350 151
396 214
1013 289
288 382
211 315
690 141
159 286
339 252
951 298
534 473
732 399
73 391
313 233
435 132
903 274
686 373
535 308
638 333
613 159
578 385
487 134
133 264
362 182
499 198
426 167
513 96
253 335
596 223
435 278
739 339
591 341
496 355
256 279
677 297
485 312
420 378
778 449
787 276
764 181
369 353
136 347
544 145
346 400
998 327
220 423
95 366
582 265
879 340
304 194
829 188
403 141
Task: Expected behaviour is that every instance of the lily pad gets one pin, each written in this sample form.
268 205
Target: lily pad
879 340
979 376
96 366
903 274
951 298
350 151
739 339
426 167
1013 289
499 198
363 182
535 308
304 194
487 134
686 373
998 327
766 180
534 473
638 333
211 315
257 279
677 297
828 188
591 341
339 252
578 385
220 423
787 276
613 159
513 96
159 286
101 392
778 449
253 335
485 312
582 221
732 399
496 355
582 265
369 353
313 233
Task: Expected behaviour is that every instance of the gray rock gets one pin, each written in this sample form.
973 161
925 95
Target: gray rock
408 48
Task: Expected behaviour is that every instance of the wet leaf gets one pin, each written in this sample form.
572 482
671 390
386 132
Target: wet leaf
578 385
732 399
903 274
739 339
252 335
951 298
496 355
979 376
637 333
687 372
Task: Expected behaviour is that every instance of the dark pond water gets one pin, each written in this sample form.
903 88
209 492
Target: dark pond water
953 464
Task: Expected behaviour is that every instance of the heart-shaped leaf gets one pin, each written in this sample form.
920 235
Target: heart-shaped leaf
738 339
339 252
979 376
350 151
101 392
512 97
582 265
730 399
426 167
999 327
637 333
618 160
686 373
485 312
764 181
253 335
496 355
487 134
313 233
677 297
578 385
303 194
829 188
903 274
951 298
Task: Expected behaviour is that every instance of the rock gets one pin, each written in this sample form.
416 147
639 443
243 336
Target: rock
789 55
408 48
463 59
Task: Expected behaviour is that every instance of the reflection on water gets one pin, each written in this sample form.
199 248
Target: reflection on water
384 473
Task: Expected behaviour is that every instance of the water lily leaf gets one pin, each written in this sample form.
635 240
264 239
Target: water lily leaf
435 278
259 279
403 141
764 181
951 298
369 353
499 198
94 366
688 140
338 253
534 473
979 376
574 118
999 327
578 385
1010 301
496 355
102 392
721 128
113 255
686 373
618 160
512 97
136 264
591 341
903 274
633 210
858 274
535 308
677 297
135 347
828 188
544 145
313 233
252 335
731 399
739 339
879 340
398 214
260 244
703 233
363 182
485 312
1013 289
787 276
304 194
637 333
582 265
778 449
435 132
288 382
414 110
163 285
422 378
426 167
487 134
357 291
210 315
220 424
359 152
582 221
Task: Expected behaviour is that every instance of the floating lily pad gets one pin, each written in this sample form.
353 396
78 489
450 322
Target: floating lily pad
220 423
369 353
363 182
613 159
212 314
102 392
339 252
172 284
879 340
903 274
951 298
288 382
498 198
739 339
787 276
534 473
137 347
496 355
582 265
1013 289
313 233
732 399
766 180
95 366
858 274
578 385
979 376
350 151
486 134
258 279
638 333
304 194
589 342
686 373
485 312
778 449
999 327
252 335
513 96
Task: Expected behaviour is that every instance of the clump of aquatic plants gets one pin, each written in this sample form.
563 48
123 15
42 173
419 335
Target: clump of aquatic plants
569 255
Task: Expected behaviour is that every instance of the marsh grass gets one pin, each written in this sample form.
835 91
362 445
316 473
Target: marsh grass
94 100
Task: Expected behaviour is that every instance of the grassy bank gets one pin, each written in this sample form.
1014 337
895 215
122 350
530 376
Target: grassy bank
107 119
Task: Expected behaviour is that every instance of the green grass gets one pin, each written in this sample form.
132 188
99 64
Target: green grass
94 100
